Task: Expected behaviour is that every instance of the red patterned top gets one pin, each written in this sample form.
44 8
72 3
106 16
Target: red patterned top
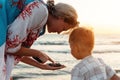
26 28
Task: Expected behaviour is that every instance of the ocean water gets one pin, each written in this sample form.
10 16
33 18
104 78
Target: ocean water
54 43
57 47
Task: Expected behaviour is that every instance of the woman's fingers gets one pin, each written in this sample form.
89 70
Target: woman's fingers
54 68
51 59
43 57
48 58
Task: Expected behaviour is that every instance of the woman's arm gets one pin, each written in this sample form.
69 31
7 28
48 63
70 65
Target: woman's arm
32 52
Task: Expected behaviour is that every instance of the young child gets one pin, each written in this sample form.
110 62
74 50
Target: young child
89 68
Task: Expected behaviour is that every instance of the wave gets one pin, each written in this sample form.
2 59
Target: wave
65 52
116 42
94 52
102 52
51 43
54 43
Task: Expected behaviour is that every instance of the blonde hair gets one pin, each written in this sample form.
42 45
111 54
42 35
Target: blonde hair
83 37
65 11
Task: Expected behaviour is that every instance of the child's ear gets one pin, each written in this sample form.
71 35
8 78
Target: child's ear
75 51
73 46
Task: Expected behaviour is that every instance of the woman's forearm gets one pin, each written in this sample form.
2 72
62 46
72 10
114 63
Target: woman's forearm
32 53
27 52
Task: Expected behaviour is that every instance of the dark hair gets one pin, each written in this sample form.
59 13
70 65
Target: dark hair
50 6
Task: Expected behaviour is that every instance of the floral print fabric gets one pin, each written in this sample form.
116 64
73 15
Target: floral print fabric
24 30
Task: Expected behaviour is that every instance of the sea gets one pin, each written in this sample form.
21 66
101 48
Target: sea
106 46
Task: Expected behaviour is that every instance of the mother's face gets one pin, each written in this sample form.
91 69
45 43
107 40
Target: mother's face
58 25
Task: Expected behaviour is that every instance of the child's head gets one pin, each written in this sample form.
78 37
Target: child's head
81 42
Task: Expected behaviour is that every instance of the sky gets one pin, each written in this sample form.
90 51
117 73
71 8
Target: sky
102 15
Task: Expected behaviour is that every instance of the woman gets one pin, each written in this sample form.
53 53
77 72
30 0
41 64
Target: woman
25 29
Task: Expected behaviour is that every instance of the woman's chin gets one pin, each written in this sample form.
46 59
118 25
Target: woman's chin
51 31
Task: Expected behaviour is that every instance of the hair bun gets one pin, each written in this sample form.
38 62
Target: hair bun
50 5
51 2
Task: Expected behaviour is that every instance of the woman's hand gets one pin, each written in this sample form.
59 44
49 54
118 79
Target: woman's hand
49 67
45 66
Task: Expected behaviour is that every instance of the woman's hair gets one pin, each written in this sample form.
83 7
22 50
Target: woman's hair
83 37
65 11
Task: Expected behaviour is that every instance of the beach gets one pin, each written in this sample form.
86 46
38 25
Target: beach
26 72
57 47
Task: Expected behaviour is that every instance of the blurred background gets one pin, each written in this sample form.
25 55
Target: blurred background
103 16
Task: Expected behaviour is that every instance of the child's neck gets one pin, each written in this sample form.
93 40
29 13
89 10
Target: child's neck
85 54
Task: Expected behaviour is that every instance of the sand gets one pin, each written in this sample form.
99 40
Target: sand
26 72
